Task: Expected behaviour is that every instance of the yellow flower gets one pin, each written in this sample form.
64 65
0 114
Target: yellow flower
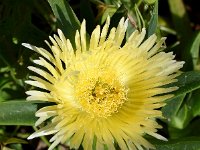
105 92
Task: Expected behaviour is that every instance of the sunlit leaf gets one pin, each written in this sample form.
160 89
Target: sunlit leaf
192 143
175 133
194 50
187 82
17 113
176 112
194 103
66 18
154 20
14 140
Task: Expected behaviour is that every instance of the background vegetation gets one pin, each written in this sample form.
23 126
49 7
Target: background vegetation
32 21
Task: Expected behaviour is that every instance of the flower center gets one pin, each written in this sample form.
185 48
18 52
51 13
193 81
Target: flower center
100 93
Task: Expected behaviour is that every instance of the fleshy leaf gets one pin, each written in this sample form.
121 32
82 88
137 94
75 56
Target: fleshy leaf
154 20
66 18
177 112
194 50
17 113
191 143
187 82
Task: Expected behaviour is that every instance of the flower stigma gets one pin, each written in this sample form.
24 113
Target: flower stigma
101 93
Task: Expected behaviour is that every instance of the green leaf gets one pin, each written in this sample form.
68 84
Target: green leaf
172 107
180 18
194 103
194 50
182 118
187 82
17 27
121 12
182 26
15 140
6 148
140 19
150 1
17 113
154 20
177 112
191 143
66 18
175 133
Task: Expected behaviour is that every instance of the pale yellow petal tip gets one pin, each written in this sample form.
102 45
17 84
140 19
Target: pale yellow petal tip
126 23
108 20
32 136
77 37
25 44
29 46
121 22
27 82
28 92
153 36
59 31
182 63
162 41
163 38
31 68
37 123
83 24
38 62
157 136
160 137
143 31
29 98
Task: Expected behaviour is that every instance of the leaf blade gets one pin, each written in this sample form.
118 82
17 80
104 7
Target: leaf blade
17 113
67 20
187 82
190 143
154 20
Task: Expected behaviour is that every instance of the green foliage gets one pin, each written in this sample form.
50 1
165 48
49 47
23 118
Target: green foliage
17 113
20 21
154 20
191 143
178 111
6 141
194 51
32 21
66 18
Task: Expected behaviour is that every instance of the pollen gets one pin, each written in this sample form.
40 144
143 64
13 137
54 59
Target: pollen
100 92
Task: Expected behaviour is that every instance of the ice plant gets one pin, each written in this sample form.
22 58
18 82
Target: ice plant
104 92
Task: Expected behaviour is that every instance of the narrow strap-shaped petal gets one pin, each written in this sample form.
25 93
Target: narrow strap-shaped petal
94 40
83 36
47 130
42 73
120 31
41 51
158 46
78 41
47 65
104 31
146 45
41 83
57 55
